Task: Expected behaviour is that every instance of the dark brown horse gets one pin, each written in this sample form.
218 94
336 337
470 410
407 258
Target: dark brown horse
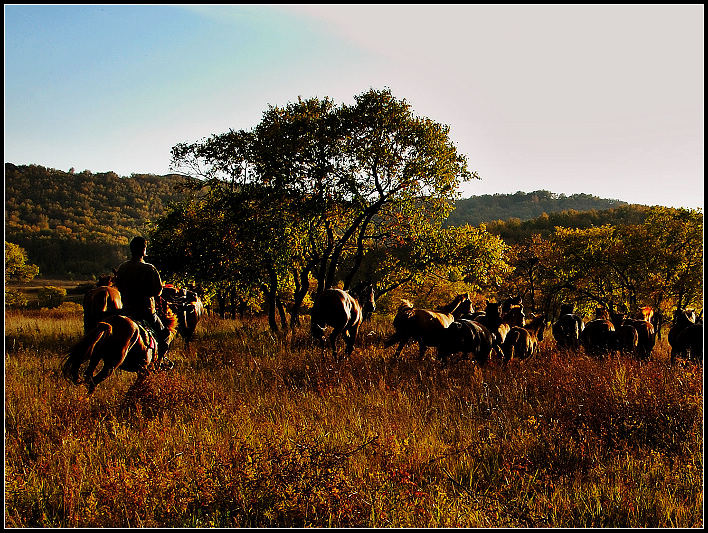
599 337
99 302
119 342
467 337
493 320
522 342
188 308
566 330
686 336
646 334
342 311
424 325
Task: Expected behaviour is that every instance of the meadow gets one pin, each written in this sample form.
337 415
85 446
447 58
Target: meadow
255 430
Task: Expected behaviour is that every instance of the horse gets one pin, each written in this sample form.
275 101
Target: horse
514 316
101 301
188 307
627 328
344 312
466 336
494 322
119 342
424 325
566 330
522 342
686 337
599 337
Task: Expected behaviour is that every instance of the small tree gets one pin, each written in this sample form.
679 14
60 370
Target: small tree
16 266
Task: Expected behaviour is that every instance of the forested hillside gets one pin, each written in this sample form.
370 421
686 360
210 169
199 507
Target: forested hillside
524 206
79 224
515 231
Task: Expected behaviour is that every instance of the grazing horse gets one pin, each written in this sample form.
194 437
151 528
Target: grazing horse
344 312
424 325
101 301
117 340
466 336
566 330
187 306
522 342
686 336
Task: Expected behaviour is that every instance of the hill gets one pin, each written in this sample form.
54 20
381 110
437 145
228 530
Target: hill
79 224
524 206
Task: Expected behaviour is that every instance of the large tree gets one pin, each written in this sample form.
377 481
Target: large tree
315 187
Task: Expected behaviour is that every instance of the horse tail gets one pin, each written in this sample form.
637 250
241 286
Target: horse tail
82 351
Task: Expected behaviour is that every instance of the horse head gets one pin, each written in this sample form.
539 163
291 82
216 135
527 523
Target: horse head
567 308
492 309
105 280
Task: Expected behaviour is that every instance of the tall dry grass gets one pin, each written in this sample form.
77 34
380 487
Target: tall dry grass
254 430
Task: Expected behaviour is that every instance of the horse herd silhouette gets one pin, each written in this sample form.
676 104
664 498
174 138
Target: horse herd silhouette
502 330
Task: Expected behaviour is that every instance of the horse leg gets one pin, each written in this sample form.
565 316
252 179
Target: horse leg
350 338
333 340
105 372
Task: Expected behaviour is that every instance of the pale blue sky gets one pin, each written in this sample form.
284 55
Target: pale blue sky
606 100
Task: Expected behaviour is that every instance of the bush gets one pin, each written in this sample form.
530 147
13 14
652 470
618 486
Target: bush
51 297
15 299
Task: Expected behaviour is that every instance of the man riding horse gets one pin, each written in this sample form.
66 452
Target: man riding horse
140 285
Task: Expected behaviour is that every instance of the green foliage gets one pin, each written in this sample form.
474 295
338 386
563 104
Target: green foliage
515 231
313 190
524 206
658 262
81 223
50 297
15 298
16 266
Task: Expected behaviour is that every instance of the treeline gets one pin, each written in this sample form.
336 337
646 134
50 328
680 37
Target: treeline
79 224
515 230
523 206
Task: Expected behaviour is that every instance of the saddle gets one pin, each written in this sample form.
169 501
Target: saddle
147 334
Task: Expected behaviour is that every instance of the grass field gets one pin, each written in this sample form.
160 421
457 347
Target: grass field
253 430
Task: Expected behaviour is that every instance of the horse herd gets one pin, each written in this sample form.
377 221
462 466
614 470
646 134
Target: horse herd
502 330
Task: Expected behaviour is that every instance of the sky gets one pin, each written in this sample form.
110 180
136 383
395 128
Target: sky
599 99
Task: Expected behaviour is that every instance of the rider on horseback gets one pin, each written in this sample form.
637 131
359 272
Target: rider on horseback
140 285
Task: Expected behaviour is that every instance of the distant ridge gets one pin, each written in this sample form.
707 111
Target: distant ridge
79 223
523 206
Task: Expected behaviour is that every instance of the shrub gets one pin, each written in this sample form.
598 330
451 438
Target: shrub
50 296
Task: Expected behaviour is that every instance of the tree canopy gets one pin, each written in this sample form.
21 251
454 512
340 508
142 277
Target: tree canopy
317 191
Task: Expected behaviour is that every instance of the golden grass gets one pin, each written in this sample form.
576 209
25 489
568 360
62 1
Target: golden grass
253 430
